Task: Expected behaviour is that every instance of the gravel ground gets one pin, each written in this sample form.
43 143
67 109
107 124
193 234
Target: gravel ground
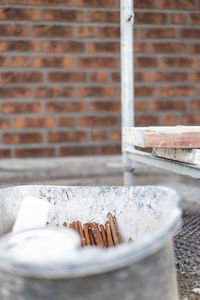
187 245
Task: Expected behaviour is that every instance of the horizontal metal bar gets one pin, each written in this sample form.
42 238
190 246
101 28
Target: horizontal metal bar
166 164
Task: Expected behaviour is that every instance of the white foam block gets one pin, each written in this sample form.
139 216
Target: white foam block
191 156
32 213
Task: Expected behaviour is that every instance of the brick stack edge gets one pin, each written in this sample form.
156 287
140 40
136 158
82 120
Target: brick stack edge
60 73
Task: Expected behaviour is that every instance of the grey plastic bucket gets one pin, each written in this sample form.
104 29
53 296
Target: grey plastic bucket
141 270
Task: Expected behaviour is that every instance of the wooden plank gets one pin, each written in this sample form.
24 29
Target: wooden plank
190 156
163 137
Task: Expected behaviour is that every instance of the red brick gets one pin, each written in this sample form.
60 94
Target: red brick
190 33
3 45
140 47
21 108
63 46
104 47
116 135
77 151
99 76
85 31
178 18
98 121
109 32
70 136
178 62
105 106
97 62
4 123
150 18
168 91
167 47
111 149
54 2
168 76
54 92
95 3
116 76
145 4
141 76
63 107
19 14
41 122
195 19
169 120
3 61
195 104
20 46
53 62
15 92
158 33
178 4
21 77
14 30
146 120
66 77
191 119
145 91
63 15
98 135
5 153
23 138
195 48
20 61
34 152
66 122
52 31
146 62
195 76
18 1
169 105
141 105
103 16
97 91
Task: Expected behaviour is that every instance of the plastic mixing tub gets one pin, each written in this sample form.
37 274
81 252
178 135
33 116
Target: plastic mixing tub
141 270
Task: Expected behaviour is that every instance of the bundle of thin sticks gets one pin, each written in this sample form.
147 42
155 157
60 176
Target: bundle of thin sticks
93 234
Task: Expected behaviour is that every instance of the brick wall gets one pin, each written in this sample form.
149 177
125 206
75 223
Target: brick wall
60 79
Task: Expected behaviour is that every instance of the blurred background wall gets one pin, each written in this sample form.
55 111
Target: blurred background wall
60 73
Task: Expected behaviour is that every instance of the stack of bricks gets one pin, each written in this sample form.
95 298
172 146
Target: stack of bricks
60 73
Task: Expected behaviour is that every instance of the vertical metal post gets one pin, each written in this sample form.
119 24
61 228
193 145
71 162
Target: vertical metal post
127 78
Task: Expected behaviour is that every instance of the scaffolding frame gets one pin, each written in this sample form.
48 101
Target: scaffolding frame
129 154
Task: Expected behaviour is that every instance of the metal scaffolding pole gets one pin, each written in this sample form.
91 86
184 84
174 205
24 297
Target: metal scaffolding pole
129 153
127 79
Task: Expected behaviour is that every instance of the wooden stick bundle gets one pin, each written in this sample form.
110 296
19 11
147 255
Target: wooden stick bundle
102 236
109 234
91 237
83 240
86 233
97 235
